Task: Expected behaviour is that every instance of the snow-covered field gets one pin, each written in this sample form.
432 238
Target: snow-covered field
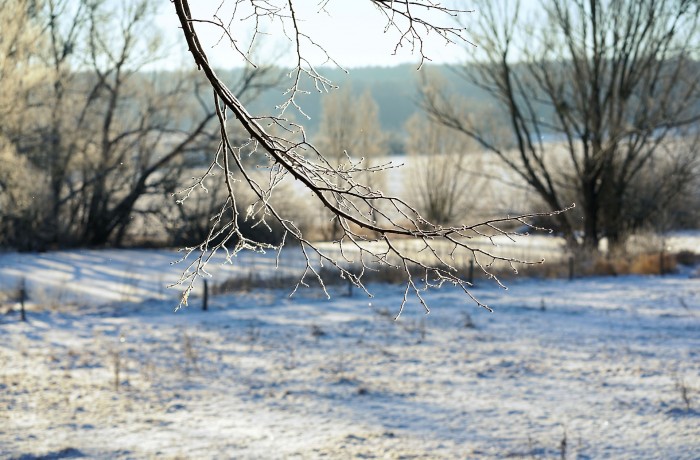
593 368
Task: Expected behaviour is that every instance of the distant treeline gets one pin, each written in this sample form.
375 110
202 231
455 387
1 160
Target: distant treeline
394 89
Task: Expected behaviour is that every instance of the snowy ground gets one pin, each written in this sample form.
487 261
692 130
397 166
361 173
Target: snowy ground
595 368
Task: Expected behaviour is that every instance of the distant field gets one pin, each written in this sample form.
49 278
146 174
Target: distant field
134 275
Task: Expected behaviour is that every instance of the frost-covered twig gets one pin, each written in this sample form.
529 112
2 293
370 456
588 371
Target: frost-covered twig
355 206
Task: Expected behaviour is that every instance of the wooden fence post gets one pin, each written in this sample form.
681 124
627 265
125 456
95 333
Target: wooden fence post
571 267
22 298
205 297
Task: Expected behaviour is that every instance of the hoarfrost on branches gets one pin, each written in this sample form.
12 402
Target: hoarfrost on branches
376 230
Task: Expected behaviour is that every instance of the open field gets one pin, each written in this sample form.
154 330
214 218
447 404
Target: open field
133 275
594 368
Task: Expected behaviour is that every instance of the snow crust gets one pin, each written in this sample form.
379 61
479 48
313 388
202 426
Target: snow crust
592 368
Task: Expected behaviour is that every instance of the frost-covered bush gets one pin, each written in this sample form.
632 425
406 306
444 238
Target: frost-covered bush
20 198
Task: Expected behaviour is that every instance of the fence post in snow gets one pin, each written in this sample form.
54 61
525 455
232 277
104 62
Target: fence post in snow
571 267
205 297
471 272
22 298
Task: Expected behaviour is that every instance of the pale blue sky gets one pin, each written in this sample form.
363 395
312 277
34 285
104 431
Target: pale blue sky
352 32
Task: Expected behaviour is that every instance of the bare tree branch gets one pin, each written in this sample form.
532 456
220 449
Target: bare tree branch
427 253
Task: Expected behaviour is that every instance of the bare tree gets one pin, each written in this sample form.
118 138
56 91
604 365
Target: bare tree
613 82
105 140
402 230
19 195
666 195
20 75
350 126
440 181
350 131
19 71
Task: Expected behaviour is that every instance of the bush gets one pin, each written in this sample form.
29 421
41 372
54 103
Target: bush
21 200
653 264
688 258
640 264
646 263
610 266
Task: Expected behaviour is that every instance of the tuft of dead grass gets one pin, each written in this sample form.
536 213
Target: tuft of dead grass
653 264
581 264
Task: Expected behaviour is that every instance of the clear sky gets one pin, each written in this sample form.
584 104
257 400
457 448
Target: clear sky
352 32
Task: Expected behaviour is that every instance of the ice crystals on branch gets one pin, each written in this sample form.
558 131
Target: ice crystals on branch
376 230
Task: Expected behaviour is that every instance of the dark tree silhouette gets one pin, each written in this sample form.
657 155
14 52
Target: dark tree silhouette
615 81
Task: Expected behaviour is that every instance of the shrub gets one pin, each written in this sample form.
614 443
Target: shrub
610 266
653 264
687 258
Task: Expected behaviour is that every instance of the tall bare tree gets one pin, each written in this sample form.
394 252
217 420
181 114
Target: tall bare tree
350 130
105 138
291 155
350 126
19 70
615 82
440 181
20 75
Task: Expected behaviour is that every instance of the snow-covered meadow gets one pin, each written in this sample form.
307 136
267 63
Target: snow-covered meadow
104 368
